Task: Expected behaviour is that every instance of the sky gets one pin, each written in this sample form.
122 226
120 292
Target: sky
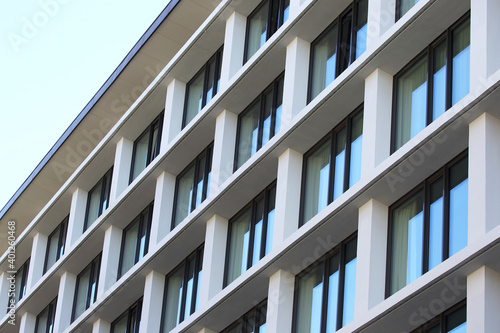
54 56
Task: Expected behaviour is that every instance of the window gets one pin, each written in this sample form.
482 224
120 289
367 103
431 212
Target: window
250 234
403 6
428 225
21 284
98 199
191 187
129 321
45 320
56 244
263 23
202 87
86 288
146 147
338 46
432 83
135 240
324 298
253 321
259 122
454 320
181 291
333 166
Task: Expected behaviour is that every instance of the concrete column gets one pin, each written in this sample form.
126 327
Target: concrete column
371 256
289 181
484 179
110 259
381 16
234 47
27 323
213 258
152 302
121 169
484 44
296 80
174 110
483 300
280 302
162 209
376 121
224 147
65 298
206 330
101 326
76 216
37 261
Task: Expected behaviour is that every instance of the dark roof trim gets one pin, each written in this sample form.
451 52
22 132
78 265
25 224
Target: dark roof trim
128 58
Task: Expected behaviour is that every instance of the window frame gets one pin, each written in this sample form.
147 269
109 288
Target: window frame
51 308
104 197
95 268
441 318
23 288
256 311
137 307
60 231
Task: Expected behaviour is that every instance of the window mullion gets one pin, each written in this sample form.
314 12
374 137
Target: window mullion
251 236
446 213
195 184
324 301
331 181
449 69
340 301
430 84
184 290
347 159
426 214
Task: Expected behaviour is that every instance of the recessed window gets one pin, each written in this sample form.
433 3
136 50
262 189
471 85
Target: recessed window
135 240
338 46
403 6
259 122
86 288
56 244
253 321
129 321
146 147
428 225
324 298
432 83
250 234
453 320
333 166
21 284
202 87
263 22
45 320
192 185
182 287
98 199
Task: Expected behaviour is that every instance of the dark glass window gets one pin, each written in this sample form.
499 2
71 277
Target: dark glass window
259 122
192 186
428 225
263 22
181 291
21 284
129 321
453 320
403 6
202 87
333 166
56 244
98 199
135 240
324 298
253 321
432 83
338 46
146 147
45 320
250 234
86 288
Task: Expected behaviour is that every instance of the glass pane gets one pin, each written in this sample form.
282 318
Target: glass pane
349 281
436 224
439 81
94 281
279 105
194 97
361 27
140 154
120 325
130 236
238 247
411 102
257 30
461 62
143 237
267 132
259 228
248 134
200 180
155 143
236 329
317 181
172 306
356 145
405 6
53 248
333 294
309 301
324 61
189 288
106 180
94 199
211 89
456 322
340 145
81 293
41 321
199 273
407 242
184 195
261 318
286 10
458 206
345 42
270 219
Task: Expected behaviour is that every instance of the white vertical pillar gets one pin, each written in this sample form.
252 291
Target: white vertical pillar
206 330
101 326
224 148
174 110
483 301
376 121
371 256
381 16
296 79
234 48
286 218
213 258
279 315
65 298
484 178
76 216
162 208
27 323
152 302
110 259
37 260
121 169
484 45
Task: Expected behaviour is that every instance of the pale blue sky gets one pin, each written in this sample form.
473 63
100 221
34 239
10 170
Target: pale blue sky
54 56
